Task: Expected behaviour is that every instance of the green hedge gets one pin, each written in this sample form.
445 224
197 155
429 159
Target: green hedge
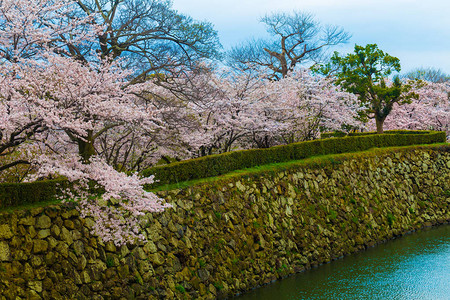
14 194
214 165
325 135
392 132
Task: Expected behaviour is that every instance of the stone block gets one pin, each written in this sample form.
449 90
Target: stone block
43 222
5 254
39 246
5 232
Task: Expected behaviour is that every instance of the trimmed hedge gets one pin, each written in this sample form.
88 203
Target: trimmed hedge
14 194
391 132
325 135
219 164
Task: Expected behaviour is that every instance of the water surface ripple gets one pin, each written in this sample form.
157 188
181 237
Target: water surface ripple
416 266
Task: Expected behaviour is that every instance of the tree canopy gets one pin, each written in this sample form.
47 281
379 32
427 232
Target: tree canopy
154 37
296 38
365 74
53 107
428 74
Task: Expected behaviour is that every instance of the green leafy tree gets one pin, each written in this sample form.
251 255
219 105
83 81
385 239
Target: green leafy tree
365 73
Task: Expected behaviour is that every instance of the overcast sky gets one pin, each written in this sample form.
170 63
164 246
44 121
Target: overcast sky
415 31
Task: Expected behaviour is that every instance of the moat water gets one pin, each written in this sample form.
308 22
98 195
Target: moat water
415 266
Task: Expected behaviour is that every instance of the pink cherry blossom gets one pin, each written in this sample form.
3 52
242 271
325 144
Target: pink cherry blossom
51 103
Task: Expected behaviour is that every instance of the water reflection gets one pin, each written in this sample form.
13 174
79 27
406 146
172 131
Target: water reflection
416 266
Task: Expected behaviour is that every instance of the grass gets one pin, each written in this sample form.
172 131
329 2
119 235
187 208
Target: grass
30 205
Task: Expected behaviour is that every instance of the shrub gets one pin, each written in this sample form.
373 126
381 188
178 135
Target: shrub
13 194
215 165
325 135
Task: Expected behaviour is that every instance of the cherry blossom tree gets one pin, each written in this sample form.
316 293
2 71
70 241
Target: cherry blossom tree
27 28
312 104
57 107
244 110
430 111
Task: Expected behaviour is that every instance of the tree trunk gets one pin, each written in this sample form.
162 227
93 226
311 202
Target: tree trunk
380 123
86 147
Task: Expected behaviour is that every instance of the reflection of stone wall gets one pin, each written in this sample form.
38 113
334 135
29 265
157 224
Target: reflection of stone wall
231 235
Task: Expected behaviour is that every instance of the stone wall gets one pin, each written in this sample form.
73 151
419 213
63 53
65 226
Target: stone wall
228 236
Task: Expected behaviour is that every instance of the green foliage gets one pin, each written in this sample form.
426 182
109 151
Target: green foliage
218 215
202 263
364 74
359 71
390 219
138 278
14 194
109 262
39 193
325 135
282 269
180 288
422 204
332 215
256 224
219 245
42 193
218 285
216 165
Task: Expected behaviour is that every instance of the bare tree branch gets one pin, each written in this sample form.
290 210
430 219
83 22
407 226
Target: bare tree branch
297 38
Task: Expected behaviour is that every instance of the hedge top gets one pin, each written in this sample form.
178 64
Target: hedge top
219 164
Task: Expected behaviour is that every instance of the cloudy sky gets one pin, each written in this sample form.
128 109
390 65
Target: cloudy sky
415 31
